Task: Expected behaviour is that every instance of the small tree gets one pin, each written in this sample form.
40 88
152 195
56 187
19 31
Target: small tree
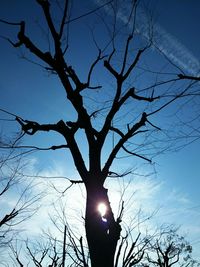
39 254
25 202
63 250
170 249
129 108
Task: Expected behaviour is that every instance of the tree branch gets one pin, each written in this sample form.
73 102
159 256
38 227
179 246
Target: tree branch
112 174
188 77
89 13
31 127
99 57
126 53
24 40
111 69
181 94
116 130
9 217
63 18
122 141
35 147
135 154
140 52
46 9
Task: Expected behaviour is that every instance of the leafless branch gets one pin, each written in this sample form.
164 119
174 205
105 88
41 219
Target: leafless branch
34 147
135 154
188 77
88 13
65 10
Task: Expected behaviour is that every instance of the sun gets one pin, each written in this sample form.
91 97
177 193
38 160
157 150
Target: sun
102 209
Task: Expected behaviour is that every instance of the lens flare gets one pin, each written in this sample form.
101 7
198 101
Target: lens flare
102 208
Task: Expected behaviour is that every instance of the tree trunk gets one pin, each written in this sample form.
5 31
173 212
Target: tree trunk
102 233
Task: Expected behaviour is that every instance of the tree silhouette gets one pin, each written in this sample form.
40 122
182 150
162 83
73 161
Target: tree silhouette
23 205
170 249
65 247
128 113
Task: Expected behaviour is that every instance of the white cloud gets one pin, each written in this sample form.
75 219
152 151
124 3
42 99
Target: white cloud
145 194
176 51
168 44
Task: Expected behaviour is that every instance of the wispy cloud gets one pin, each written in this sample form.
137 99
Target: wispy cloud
147 195
154 199
168 44
179 54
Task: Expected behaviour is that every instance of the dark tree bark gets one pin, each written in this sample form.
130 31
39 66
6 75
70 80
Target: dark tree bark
102 233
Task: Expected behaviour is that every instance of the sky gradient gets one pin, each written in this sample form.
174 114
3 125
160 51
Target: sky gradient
30 92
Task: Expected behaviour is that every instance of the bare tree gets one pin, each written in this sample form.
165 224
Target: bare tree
24 202
128 111
170 249
67 247
58 245
67 250
37 254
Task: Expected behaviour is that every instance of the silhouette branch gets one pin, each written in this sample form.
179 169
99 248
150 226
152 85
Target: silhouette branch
31 127
123 140
188 77
135 154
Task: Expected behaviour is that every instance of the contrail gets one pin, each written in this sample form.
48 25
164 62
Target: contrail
173 49
179 54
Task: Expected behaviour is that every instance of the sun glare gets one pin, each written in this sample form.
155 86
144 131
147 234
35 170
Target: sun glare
102 209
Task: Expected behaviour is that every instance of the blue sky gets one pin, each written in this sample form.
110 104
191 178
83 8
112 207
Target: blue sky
29 91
